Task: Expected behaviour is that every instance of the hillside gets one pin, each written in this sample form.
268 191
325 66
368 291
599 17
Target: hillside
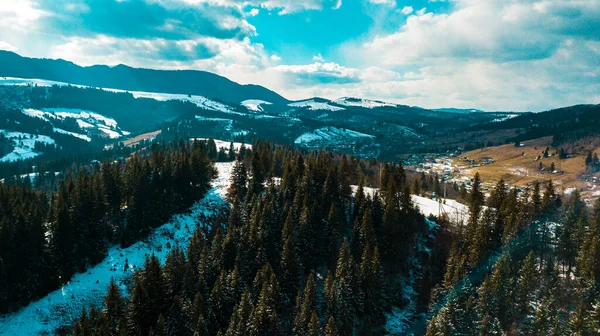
523 165
133 79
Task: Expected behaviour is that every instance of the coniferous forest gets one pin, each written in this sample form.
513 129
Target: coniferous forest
46 238
301 254
306 249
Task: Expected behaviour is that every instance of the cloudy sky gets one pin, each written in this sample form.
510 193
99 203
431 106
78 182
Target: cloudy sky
488 54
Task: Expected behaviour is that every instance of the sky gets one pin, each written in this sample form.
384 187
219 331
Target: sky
495 55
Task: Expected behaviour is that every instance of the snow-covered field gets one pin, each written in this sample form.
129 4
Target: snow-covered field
28 81
255 104
315 105
77 135
457 212
24 145
199 101
87 121
329 134
64 305
359 102
225 144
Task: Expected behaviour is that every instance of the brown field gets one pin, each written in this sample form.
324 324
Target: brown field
141 137
519 165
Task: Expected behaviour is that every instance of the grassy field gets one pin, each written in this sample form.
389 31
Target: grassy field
520 166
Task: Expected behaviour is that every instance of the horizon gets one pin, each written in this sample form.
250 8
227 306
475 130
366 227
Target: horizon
518 55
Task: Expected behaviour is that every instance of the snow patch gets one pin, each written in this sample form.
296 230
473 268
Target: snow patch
315 105
255 104
24 145
329 134
366 103
77 135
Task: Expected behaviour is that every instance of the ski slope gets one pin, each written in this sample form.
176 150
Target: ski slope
63 306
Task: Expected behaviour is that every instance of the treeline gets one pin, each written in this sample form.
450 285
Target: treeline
524 265
46 171
45 239
301 254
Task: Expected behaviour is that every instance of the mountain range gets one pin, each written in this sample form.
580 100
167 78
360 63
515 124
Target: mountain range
78 107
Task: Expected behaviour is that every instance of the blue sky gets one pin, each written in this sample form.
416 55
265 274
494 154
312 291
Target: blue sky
487 54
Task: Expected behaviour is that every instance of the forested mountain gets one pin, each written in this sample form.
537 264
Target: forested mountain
122 77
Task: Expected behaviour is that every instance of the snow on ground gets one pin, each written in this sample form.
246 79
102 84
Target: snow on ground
358 102
86 120
110 133
510 116
28 81
255 104
77 135
39 114
456 212
199 101
24 145
225 144
82 114
329 134
314 105
64 305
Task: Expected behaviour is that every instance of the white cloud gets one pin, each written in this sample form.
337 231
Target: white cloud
275 58
254 12
391 3
318 58
7 46
293 6
407 10
492 29
23 14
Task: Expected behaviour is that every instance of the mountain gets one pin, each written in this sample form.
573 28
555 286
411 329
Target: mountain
188 82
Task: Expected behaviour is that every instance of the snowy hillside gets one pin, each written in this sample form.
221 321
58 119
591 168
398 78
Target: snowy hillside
200 101
314 105
90 123
359 102
24 145
330 135
255 105
63 306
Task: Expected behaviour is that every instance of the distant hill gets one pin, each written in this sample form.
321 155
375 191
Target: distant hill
456 110
123 77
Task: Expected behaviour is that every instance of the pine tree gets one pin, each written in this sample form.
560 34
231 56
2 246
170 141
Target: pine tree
239 179
240 317
306 305
114 308
290 269
314 325
331 328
